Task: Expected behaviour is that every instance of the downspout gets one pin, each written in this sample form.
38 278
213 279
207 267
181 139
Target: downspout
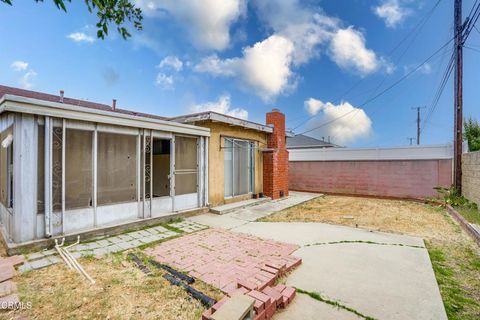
205 189
48 177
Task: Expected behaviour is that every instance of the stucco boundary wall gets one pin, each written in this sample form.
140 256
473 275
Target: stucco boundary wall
471 176
402 172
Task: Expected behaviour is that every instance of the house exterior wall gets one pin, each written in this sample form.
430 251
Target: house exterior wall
471 176
218 131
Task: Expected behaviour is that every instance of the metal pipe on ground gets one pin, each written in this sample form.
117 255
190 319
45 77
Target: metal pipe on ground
70 259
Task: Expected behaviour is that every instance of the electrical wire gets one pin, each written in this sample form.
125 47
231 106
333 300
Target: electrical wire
385 90
413 32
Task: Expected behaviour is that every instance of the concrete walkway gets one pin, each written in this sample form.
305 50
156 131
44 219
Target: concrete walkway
381 275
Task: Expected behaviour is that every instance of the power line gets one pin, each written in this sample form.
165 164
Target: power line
413 32
466 29
386 89
471 48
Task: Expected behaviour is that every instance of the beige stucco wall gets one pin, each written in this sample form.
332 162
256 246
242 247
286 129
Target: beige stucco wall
218 131
471 176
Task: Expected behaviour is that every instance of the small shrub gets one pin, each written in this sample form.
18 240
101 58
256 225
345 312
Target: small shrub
452 197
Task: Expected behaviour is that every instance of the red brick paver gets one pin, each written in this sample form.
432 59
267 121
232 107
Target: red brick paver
233 262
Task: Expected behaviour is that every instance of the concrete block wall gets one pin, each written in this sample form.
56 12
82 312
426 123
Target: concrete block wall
275 163
471 176
382 178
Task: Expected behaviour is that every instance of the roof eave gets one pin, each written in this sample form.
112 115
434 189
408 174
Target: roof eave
21 104
213 116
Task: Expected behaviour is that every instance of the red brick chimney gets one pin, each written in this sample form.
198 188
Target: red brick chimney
275 163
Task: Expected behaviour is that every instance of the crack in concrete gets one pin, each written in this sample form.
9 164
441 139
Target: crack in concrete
318 297
363 242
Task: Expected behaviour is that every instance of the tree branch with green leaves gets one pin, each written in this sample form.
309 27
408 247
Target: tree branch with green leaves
117 12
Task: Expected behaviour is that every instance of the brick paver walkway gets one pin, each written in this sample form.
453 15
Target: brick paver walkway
233 262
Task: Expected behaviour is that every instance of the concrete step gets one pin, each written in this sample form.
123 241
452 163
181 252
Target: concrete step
226 208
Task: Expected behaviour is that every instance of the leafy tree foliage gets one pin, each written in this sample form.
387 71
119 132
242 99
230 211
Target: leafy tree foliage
472 134
118 12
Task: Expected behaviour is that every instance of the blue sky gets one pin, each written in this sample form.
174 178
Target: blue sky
244 57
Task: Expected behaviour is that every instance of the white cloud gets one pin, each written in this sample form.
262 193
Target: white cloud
26 79
81 37
306 28
348 50
392 12
298 34
207 21
171 62
19 65
313 106
164 81
350 125
222 105
424 69
264 67
217 67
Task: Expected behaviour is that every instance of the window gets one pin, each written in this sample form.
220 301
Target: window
186 150
116 163
78 169
41 169
238 167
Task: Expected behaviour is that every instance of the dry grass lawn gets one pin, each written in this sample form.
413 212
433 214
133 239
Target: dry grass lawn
455 257
121 291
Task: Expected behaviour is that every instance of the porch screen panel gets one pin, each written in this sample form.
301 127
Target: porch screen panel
78 169
241 161
186 151
228 167
116 165
4 171
57 168
41 169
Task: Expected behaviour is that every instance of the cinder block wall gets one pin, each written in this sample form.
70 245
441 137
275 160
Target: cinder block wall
382 178
471 176
275 163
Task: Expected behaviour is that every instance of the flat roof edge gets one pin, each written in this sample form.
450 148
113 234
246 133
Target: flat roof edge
21 104
214 116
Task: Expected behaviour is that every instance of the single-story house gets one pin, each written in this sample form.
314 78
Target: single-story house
69 165
240 155
301 141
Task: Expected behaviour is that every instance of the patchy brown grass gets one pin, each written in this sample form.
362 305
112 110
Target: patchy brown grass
121 291
398 216
455 257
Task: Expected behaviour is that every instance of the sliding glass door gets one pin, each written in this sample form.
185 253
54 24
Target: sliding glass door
238 167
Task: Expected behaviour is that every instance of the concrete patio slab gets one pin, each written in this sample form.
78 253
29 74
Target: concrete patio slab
243 215
306 308
226 208
307 233
384 282
382 275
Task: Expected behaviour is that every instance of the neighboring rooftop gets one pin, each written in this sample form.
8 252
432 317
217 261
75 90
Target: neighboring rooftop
218 117
301 141
4 90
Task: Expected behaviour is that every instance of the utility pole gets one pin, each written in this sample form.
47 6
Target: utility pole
411 140
418 123
458 90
